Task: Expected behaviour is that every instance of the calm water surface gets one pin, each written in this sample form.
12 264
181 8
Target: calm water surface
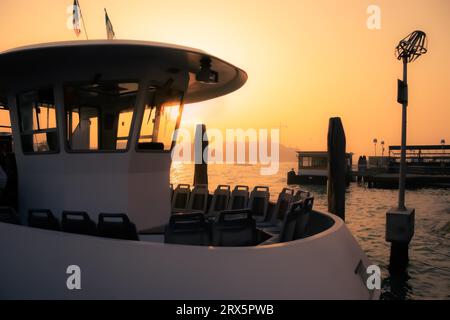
428 275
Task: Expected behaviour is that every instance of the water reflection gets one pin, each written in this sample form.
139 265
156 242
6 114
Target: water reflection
396 287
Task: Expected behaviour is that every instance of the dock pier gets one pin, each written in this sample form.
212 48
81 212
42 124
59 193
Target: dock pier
386 180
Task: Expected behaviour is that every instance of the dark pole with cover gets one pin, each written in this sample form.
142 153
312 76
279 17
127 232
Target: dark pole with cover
337 167
201 165
400 220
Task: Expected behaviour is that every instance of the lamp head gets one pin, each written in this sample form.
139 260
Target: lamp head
412 47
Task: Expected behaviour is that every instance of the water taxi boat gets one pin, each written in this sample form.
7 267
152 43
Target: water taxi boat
313 168
95 216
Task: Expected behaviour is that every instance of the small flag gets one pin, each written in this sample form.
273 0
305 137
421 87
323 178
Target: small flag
76 18
109 28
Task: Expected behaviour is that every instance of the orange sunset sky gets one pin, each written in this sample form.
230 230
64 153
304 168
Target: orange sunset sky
307 60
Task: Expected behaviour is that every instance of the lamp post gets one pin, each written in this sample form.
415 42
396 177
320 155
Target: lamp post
400 220
408 50
382 148
375 141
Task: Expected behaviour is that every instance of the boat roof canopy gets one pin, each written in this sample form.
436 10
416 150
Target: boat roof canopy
124 53
317 154
422 147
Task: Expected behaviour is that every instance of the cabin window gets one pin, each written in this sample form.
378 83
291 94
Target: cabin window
37 115
161 118
99 116
320 162
306 162
5 121
313 162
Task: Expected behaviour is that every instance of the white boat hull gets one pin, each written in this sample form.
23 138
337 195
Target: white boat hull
34 264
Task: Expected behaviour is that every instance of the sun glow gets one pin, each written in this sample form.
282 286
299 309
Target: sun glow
294 80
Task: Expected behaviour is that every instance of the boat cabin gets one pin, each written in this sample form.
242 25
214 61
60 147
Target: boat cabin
313 167
93 122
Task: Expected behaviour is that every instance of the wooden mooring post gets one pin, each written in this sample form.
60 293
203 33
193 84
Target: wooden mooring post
336 168
201 166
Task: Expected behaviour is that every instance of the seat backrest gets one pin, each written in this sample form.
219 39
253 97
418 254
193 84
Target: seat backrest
259 202
234 228
239 198
198 200
187 229
282 206
180 198
9 215
296 220
303 218
117 226
78 222
43 219
300 195
289 225
220 199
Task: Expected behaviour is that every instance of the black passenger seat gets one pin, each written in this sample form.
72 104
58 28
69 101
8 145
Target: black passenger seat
42 219
234 228
117 226
187 229
239 198
259 202
78 222
296 220
9 215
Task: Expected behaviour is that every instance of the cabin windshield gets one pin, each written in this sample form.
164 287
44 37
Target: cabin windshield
37 115
162 115
5 122
99 116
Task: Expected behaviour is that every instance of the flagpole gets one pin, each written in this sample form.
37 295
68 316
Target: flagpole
82 21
